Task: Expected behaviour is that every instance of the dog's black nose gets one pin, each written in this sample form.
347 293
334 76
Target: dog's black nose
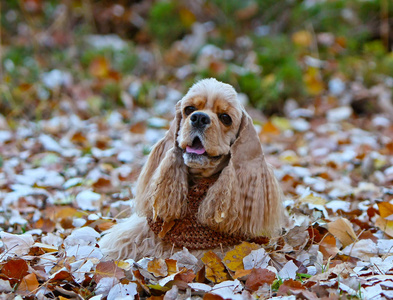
199 120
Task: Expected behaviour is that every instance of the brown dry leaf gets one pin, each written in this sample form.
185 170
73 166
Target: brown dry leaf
385 209
28 284
108 269
158 267
328 247
187 276
209 296
290 287
104 226
233 259
15 269
215 269
138 128
258 277
46 225
342 229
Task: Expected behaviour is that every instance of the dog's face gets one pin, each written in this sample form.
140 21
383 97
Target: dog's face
211 117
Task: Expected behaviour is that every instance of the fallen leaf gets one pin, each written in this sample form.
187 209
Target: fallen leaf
328 247
258 277
233 259
28 284
302 38
342 229
15 269
215 269
171 266
107 269
158 267
290 287
15 244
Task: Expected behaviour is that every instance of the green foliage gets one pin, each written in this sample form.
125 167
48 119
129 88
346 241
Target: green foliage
164 22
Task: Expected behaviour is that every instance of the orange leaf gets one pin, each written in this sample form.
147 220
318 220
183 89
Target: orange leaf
99 67
108 269
234 258
28 284
328 247
342 229
215 269
15 269
172 266
158 267
259 277
385 209
270 128
241 273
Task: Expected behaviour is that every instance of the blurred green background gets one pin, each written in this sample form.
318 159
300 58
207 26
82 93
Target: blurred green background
91 56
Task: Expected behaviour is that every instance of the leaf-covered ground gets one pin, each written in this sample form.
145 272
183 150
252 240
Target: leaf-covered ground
88 87
65 180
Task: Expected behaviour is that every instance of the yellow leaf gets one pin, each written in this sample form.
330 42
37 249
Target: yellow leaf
312 199
215 269
281 123
234 258
343 231
312 80
385 225
157 267
302 38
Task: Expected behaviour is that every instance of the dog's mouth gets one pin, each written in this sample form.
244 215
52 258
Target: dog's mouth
196 147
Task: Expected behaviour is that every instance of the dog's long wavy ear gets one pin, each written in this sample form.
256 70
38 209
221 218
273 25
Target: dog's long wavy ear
162 185
246 199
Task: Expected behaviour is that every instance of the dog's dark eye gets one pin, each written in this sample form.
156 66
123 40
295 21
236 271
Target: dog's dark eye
225 119
189 110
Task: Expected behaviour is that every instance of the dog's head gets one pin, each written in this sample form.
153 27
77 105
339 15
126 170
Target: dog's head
210 120
211 134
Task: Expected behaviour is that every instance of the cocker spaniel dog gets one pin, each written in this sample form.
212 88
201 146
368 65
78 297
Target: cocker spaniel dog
205 185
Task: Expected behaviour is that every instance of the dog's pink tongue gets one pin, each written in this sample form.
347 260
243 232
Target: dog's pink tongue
199 151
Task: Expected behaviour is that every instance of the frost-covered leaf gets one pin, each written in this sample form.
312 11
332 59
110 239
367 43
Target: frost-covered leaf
256 259
16 244
122 291
289 270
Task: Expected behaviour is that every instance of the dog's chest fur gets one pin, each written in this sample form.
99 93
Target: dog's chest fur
189 232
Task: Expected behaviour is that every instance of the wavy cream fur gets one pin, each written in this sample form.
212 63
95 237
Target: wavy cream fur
245 199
